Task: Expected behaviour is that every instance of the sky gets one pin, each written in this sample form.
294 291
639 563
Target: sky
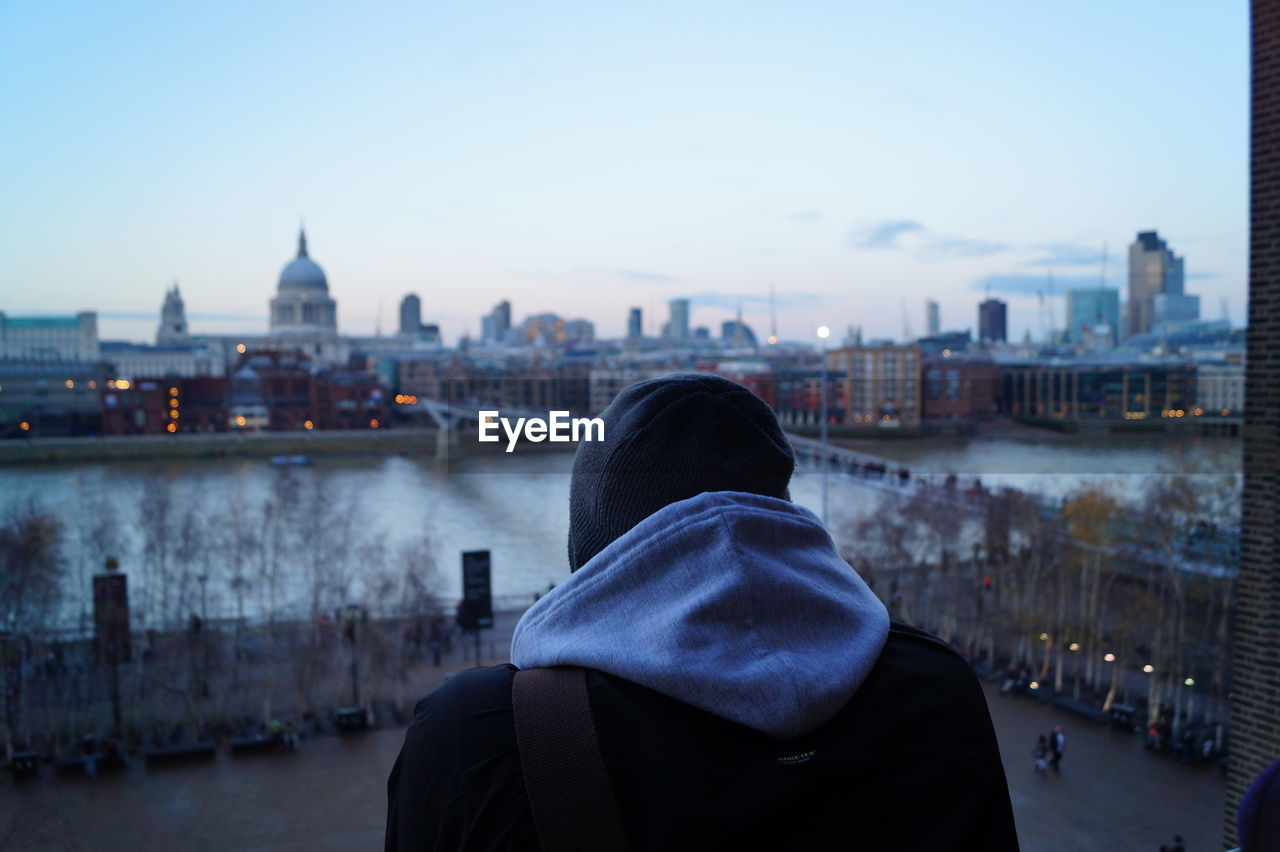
584 158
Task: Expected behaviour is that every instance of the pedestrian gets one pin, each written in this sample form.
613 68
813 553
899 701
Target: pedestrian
711 674
1057 744
1041 752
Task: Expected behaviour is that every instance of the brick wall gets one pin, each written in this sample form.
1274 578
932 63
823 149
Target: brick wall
1255 696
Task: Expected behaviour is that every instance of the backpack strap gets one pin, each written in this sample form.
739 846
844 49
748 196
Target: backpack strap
564 773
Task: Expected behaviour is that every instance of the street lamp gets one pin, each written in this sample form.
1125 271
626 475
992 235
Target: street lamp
823 334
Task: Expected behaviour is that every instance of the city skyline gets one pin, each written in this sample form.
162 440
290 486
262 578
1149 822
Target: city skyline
546 158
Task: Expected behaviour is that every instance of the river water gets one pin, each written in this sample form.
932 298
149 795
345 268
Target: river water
514 505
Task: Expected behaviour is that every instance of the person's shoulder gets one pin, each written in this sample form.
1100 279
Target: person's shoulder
924 688
457 781
470 711
464 693
913 651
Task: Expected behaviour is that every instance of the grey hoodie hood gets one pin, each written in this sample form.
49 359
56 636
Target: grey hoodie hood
734 603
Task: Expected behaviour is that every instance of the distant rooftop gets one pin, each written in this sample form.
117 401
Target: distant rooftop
42 322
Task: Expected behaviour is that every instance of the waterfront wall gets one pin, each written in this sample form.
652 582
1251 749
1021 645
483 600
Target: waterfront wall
216 445
405 441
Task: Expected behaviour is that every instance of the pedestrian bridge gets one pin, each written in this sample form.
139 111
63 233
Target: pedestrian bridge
449 416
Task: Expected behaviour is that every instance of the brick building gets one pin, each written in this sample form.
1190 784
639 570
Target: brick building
1255 691
534 385
347 399
798 396
157 406
960 388
880 385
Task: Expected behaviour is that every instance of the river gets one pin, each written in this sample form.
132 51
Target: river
514 505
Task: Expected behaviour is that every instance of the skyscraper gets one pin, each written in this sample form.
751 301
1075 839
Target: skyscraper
1091 307
635 327
932 318
678 326
495 325
1153 270
410 315
992 324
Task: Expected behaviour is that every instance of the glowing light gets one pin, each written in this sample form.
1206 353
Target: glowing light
240 420
24 426
308 425
173 403
1190 681
173 414
111 383
400 399
824 332
173 391
1226 411
1035 684
1074 646
1148 668
1110 658
373 424
122 384
946 353
1181 413
70 384
240 347
172 427
773 338
1044 637
1199 411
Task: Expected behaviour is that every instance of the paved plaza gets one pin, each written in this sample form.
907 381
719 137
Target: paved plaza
331 795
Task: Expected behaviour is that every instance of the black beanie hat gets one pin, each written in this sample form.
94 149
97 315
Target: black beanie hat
667 440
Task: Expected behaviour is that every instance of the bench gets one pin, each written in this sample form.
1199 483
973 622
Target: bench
25 764
1080 708
256 744
349 719
1122 718
180 753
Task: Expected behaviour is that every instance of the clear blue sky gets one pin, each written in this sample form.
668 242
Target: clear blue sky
583 158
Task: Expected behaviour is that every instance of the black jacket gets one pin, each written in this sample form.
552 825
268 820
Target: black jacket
910 763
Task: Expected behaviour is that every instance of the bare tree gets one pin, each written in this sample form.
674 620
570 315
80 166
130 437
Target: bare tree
30 591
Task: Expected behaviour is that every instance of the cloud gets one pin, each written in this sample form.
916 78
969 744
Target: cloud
883 235
948 248
923 244
1200 276
757 301
644 275
1029 284
1067 254
804 216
